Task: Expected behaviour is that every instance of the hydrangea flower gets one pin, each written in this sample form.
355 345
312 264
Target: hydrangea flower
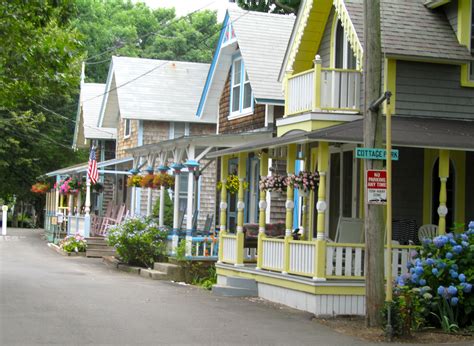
457 249
419 270
454 301
449 255
435 271
467 288
441 290
422 282
462 277
440 241
452 290
430 261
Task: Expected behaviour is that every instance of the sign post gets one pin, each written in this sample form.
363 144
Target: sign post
4 219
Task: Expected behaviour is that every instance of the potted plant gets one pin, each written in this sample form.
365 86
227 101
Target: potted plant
73 244
148 181
273 183
232 184
164 179
304 181
134 181
40 188
74 186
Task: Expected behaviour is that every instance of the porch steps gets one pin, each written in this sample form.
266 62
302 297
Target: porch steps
98 247
164 271
232 286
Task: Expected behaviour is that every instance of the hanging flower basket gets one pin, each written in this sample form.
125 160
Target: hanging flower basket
98 187
134 181
273 183
164 179
232 184
147 181
75 186
40 188
304 181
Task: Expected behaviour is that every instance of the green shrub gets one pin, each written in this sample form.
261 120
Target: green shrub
168 222
138 241
442 272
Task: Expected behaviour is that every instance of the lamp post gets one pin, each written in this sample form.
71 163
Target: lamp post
4 219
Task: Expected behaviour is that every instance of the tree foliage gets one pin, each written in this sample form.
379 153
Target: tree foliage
274 6
39 68
118 27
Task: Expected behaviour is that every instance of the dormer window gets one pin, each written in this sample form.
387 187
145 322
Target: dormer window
127 128
229 35
344 57
240 90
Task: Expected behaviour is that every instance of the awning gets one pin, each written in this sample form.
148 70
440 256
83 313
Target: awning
80 168
201 141
406 132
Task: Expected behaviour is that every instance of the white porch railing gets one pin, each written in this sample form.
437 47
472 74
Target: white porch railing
323 89
229 248
273 254
302 259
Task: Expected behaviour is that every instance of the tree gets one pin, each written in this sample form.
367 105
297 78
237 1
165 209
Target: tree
373 120
119 27
279 6
39 68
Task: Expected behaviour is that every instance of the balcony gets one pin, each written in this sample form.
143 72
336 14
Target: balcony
323 90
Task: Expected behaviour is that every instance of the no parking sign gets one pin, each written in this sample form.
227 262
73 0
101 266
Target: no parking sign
376 186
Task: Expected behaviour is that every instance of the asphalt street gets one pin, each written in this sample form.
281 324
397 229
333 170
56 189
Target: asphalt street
49 299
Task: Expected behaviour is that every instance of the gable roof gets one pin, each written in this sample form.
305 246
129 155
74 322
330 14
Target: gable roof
408 29
262 39
149 89
90 100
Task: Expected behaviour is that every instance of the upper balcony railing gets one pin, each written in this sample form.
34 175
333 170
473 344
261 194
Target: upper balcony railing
323 89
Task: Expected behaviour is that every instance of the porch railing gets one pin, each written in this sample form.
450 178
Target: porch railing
323 89
316 259
75 224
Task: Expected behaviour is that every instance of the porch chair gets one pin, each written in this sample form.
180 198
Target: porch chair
208 224
427 232
195 220
96 220
350 230
115 220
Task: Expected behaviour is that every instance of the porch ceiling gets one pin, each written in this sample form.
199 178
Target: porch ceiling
80 168
406 132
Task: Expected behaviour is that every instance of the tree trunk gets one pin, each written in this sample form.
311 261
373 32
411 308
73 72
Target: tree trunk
374 225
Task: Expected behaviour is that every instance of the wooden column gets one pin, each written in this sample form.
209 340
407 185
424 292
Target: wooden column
223 205
262 205
242 173
443 177
177 178
290 206
161 217
321 206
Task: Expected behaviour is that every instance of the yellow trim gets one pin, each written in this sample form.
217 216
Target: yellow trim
464 37
340 69
300 74
308 126
320 259
332 48
459 162
313 168
336 289
323 164
390 82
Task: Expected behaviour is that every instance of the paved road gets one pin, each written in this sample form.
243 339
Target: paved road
48 299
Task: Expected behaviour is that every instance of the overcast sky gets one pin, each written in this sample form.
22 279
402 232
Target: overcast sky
183 7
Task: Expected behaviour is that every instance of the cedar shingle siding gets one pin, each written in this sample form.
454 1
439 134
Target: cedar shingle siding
247 123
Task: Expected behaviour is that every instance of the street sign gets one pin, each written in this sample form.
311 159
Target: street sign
376 186
374 154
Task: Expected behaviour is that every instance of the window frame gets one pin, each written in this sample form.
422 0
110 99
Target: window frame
127 128
244 80
346 48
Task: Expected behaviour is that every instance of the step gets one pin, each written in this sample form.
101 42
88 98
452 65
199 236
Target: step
99 246
99 252
228 291
168 268
155 274
96 241
237 282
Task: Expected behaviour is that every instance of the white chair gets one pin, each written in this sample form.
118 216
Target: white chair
427 232
350 230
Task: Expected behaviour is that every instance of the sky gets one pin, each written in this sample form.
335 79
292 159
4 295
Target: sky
183 7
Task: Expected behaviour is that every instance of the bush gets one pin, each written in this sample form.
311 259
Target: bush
138 241
442 272
73 243
168 222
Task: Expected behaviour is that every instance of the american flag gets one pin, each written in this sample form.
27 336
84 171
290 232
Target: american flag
92 171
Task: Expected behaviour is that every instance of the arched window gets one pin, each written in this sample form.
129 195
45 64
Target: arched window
344 56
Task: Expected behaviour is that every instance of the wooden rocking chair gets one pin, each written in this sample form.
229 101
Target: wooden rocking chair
115 220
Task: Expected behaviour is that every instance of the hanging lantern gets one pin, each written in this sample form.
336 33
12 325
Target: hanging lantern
149 170
191 165
163 169
177 167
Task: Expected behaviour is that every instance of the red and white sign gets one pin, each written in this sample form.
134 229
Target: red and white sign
376 186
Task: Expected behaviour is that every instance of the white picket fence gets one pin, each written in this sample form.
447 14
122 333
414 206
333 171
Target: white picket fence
302 256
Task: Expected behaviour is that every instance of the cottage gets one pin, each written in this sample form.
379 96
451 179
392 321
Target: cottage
433 129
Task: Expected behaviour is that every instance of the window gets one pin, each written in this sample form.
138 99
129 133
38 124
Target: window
241 91
127 128
179 129
229 35
344 56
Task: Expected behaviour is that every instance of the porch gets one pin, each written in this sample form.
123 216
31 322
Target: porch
429 188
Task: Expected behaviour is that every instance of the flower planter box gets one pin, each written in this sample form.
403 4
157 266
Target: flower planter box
64 253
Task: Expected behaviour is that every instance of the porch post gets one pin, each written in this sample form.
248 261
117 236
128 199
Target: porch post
262 205
150 170
240 209
78 203
161 217
191 164
289 205
443 177
223 205
70 204
87 208
304 209
317 83
175 241
321 206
